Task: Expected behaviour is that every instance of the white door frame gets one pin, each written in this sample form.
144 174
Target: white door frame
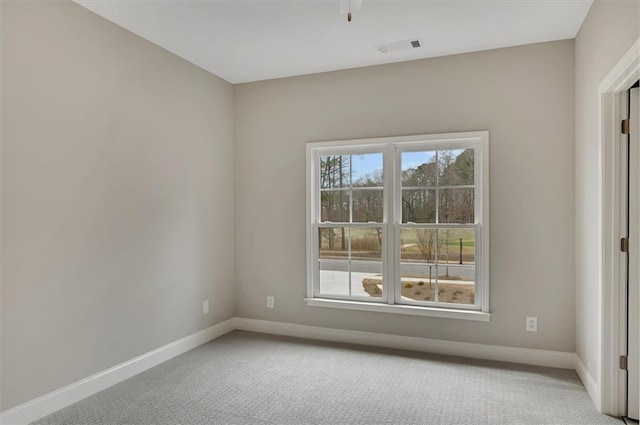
612 386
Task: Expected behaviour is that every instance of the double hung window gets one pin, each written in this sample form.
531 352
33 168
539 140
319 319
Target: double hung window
400 224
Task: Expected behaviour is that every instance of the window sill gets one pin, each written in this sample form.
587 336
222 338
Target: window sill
401 309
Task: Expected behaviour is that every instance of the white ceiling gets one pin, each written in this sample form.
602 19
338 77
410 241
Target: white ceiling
252 40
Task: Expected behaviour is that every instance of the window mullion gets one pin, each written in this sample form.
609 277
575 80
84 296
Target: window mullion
437 189
349 259
316 214
395 186
478 265
389 217
435 261
350 193
350 189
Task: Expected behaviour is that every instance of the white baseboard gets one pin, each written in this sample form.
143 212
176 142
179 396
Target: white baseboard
529 356
588 382
65 396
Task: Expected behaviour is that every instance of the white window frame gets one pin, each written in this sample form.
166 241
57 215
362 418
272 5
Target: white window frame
392 148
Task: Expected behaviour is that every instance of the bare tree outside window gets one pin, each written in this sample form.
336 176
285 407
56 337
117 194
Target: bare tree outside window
426 241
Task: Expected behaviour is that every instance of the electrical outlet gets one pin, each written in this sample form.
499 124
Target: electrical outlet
270 302
532 324
205 306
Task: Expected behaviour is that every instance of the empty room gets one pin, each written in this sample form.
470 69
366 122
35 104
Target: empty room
320 212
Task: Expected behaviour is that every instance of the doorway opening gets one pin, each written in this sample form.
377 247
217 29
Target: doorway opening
610 393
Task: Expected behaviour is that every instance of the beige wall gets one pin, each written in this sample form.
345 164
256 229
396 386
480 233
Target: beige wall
117 197
524 96
609 30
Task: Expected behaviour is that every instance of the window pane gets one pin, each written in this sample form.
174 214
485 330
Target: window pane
418 246
418 271
334 171
366 170
334 277
456 246
456 167
368 205
334 206
366 244
419 281
456 264
456 284
333 258
456 206
334 243
418 169
419 206
366 278
366 261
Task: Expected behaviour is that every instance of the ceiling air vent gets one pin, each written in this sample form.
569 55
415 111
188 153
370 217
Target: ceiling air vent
399 45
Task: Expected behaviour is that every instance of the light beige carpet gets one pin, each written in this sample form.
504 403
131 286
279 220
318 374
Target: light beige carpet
247 378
